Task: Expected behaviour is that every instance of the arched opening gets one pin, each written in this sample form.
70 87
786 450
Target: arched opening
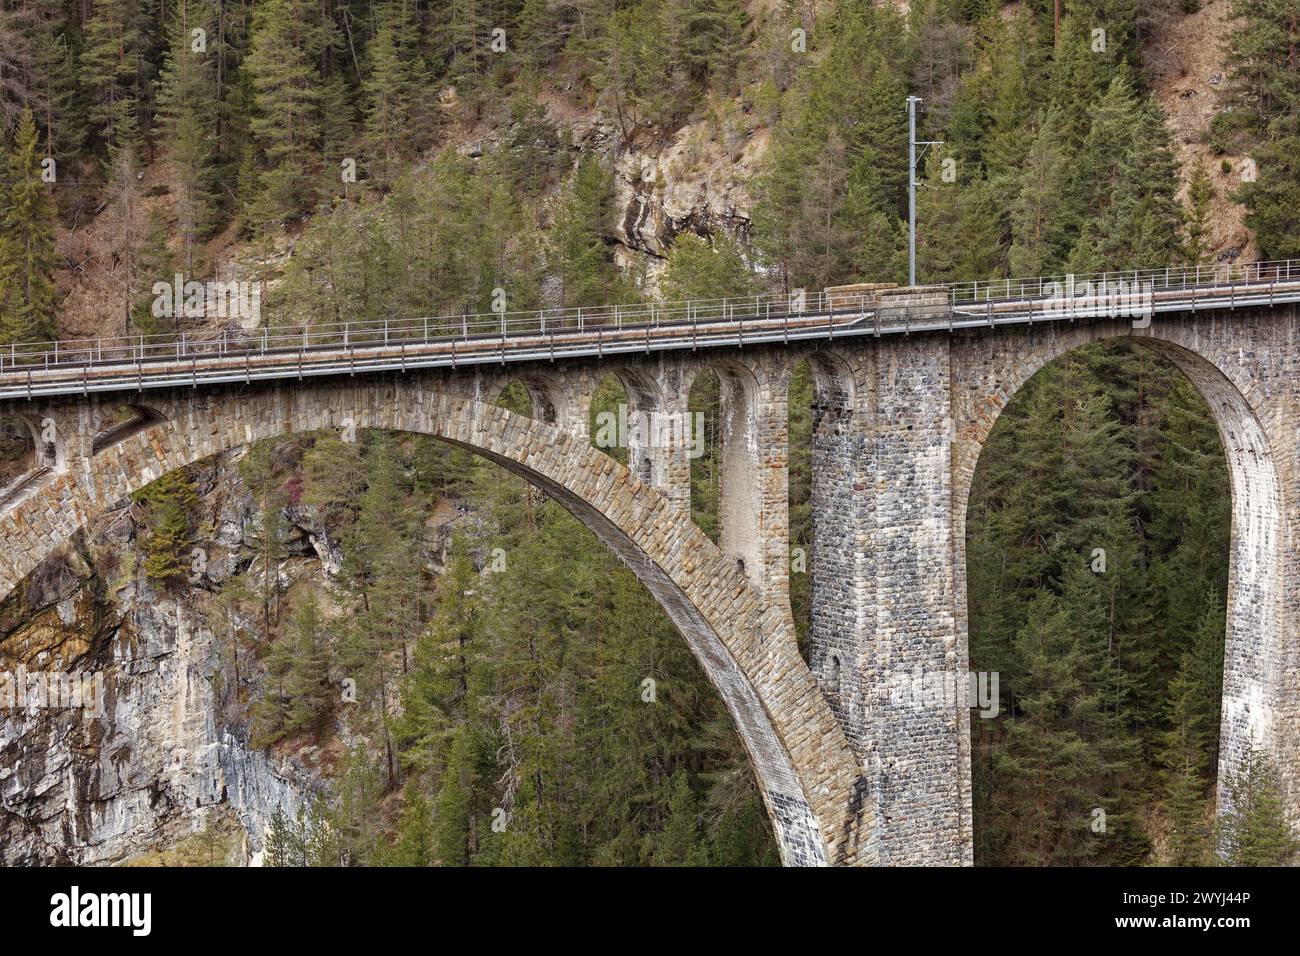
704 403
18 459
726 479
119 422
819 395
610 421
536 396
1098 558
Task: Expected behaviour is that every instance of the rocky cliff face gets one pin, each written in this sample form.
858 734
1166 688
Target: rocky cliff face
696 178
167 757
696 181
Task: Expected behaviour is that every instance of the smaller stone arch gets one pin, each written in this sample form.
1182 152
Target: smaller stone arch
132 418
834 388
742 446
19 460
49 451
550 399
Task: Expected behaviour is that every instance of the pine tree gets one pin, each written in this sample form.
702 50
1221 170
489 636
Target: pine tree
271 708
711 37
388 93
154 263
1272 200
1186 759
172 500
578 255
1128 171
126 215
1189 832
114 68
454 834
700 268
269 533
1261 55
28 256
307 683
415 845
1044 215
279 837
55 68
679 843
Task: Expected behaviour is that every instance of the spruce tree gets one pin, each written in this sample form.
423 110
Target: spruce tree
1200 193
578 255
1253 828
286 45
113 69
188 110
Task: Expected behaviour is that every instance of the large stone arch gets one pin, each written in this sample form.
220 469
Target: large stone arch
806 771
1260 680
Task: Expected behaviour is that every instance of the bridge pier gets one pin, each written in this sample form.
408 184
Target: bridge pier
884 591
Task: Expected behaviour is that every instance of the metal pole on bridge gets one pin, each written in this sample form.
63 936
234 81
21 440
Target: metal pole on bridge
912 184
911 189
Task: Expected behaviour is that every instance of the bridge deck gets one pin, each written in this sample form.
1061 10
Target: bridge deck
149 362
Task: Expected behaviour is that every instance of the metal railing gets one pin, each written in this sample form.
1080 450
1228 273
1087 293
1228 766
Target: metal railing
481 327
330 348
1170 278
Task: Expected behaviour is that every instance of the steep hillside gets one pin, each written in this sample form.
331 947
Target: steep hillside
1186 61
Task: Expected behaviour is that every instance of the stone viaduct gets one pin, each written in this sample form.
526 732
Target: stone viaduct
850 775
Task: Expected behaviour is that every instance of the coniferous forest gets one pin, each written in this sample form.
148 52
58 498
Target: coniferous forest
363 159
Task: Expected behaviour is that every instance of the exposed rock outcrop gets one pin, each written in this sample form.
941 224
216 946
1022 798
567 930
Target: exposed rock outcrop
162 760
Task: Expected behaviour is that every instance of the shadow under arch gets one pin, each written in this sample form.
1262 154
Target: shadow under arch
805 770
1255 682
